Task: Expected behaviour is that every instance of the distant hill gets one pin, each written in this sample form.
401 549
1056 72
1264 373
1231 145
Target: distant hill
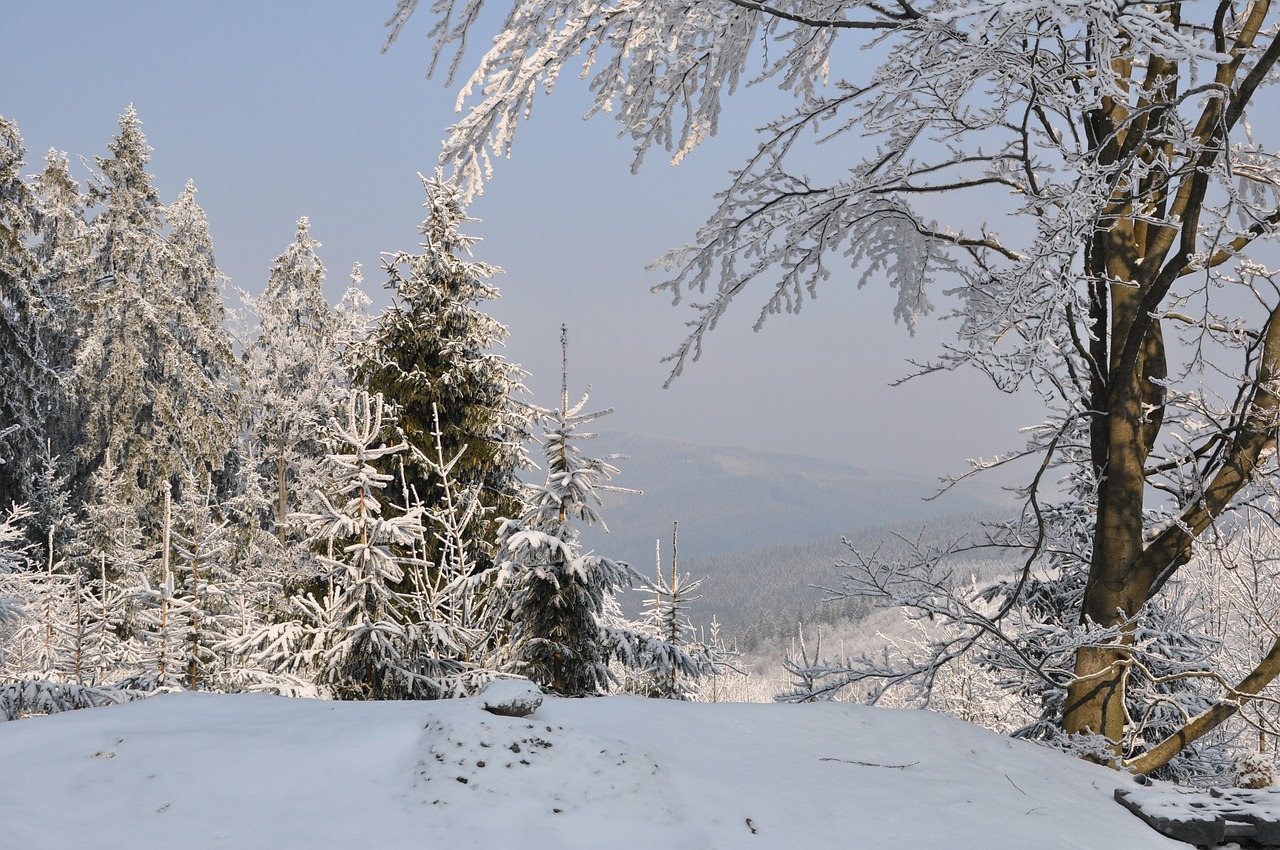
763 593
762 526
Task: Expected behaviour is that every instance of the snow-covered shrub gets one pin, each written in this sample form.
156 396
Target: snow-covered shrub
1252 770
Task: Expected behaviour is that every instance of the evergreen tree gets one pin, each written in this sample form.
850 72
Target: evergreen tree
670 656
202 547
112 391
354 324
26 377
365 651
203 371
112 554
454 618
62 233
14 551
432 350
63 250
564 628
151 374
294 377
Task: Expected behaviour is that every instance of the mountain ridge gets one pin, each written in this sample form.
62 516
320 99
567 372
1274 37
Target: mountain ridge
762 526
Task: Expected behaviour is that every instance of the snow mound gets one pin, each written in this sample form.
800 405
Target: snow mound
475 759
254 771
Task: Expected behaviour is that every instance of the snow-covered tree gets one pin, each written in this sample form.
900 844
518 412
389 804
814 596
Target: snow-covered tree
432 355
562 606
203 371
113 554
27 379
61 231
112 391
672 658
63 250
152 367
366 638
1116 198
202 550
14 551
454 612
294 378
354 324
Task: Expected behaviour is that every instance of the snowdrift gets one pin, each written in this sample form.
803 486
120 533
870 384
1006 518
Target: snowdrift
249 771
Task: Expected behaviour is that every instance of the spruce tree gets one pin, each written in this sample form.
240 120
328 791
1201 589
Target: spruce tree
63 250
365 648
294 377
432 351
151 370
565 629
26 377
202 370
671 640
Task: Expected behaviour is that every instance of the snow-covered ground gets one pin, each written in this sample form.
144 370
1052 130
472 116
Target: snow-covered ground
245 771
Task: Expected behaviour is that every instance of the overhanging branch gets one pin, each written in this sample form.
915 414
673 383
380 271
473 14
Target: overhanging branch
819 23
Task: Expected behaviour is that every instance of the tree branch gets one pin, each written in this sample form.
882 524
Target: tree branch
818 23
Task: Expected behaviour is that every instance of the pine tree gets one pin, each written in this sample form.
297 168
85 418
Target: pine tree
432 350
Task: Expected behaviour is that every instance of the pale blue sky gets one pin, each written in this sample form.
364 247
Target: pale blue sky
287 108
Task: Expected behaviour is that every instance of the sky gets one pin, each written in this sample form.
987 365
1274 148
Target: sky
250 771
289 108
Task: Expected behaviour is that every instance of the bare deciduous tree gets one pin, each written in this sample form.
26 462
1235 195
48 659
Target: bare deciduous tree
1126 287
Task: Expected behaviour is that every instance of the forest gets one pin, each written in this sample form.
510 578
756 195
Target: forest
295 497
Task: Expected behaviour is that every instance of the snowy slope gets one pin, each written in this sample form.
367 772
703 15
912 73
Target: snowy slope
247 771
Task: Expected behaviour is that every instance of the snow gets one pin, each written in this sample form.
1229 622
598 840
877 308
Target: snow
201 770
1196 804
511 697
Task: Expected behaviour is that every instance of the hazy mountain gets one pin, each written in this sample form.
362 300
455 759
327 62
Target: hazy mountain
762 526
763 593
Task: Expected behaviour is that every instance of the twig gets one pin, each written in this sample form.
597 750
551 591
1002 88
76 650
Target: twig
873 764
